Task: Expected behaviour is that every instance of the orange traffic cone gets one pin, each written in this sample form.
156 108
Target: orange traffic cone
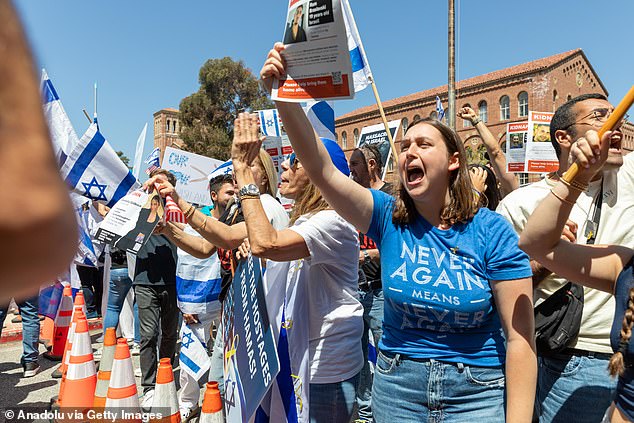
63 320
105 367
212 405
81 378
79 300
122 391
165 394
77 314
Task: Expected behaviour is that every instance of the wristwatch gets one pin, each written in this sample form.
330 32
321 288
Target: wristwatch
250 190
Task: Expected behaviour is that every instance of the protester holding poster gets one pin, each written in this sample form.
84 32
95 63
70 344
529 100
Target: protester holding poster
497 160
516 134
540 155
323 251
458 314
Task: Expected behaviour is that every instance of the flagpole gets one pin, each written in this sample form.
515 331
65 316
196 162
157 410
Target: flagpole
87 116
95 100
387 126
451 92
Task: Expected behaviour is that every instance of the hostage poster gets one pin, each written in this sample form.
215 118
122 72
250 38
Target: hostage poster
317 58
540 153
516 134
130 223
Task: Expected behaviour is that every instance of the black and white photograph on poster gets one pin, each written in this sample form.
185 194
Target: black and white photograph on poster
376 135
132 220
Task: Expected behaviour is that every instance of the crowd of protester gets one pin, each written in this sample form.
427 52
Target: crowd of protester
438 270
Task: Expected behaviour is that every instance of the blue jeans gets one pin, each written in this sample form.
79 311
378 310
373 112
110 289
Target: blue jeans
120 284
432 391
30 327
333 402
573 388
372 302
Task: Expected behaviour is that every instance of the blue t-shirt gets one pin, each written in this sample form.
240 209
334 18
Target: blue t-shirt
438 301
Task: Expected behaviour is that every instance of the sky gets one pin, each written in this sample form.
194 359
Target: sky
145 55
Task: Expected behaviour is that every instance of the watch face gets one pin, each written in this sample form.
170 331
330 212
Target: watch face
250 190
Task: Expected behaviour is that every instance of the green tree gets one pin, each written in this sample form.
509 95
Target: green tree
226 88
124 158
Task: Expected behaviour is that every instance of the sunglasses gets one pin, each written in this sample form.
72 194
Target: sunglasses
598 118
292 159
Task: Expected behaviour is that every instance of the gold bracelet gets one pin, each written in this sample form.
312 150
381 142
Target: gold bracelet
560 198
201 227
574 184
190 211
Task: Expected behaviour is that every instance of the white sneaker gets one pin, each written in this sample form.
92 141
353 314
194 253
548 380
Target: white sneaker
146 402
188 414
97 354
136 349
137 372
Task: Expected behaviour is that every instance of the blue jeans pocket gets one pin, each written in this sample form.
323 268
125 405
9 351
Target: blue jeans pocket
385 364
561 365
485 376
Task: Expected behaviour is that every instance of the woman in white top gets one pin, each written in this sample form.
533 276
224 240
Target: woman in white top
319 254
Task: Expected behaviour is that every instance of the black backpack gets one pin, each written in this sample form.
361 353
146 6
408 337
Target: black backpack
558 319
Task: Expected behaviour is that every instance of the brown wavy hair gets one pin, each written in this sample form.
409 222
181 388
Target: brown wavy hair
462 204
617 361
310 201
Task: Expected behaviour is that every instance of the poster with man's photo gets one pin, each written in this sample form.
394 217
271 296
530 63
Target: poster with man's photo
540 153
516 134
130 223
317 58
377 135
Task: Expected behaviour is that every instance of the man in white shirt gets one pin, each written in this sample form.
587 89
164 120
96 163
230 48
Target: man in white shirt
573 385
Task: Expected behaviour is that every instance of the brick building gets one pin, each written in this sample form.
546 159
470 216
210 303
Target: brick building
499 97
166 127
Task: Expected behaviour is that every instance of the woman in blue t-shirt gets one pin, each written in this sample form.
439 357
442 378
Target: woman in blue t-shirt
457 339
609 268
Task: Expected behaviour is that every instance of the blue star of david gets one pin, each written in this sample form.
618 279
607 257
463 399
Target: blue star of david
102 189
187 340
270 122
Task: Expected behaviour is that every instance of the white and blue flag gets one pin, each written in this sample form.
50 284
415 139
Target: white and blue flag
361 72
138 154
193 357
86 253
224 169
198 282
94 170
270 123
62 133
321 115
439 109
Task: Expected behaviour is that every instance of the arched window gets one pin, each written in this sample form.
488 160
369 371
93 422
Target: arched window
466 122
434 115
174 125
569 97
522 99
336 137
416 118
344 140
505 108
404 125
167 129
355 133
483 111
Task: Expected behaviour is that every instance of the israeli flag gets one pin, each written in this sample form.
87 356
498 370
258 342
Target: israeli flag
224 169
360 66
153 160
62 133
439 109
321 115
86 253
94 170
270 123
193 357
198 281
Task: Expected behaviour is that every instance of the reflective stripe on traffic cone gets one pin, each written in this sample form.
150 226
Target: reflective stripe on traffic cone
212 405
105 367
122 392
81 378
165 394
80 301
63 320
